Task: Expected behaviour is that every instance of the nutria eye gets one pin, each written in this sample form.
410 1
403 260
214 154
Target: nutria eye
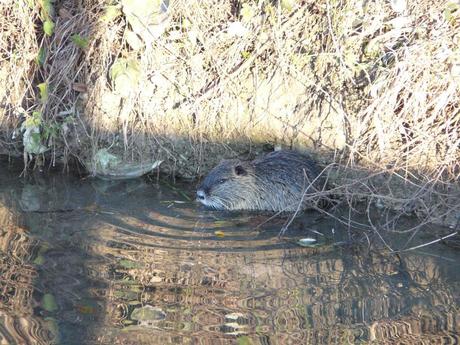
240 171
221 181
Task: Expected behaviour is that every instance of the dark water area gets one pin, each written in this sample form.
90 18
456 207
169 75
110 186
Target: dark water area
87 261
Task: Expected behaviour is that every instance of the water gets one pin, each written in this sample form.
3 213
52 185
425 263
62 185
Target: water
85 261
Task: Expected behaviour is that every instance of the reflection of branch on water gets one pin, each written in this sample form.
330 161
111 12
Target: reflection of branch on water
429 243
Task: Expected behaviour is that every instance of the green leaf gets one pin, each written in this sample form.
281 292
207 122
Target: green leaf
30 3
49 303
125 75
133 69
450 11
48 27
141 8
47 8
270 11
245 54
247 12
105 160
31 137
371 50
41 57
36 137
141 14
39 260
80 42
118 68
288 4
111 13
43 87
33 121
133 40
50 131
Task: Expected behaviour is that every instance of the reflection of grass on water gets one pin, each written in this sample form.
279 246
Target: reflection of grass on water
279 294
176 287
176 189
20 256
370 85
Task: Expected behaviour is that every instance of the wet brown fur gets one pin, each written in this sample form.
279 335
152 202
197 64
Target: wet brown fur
279 181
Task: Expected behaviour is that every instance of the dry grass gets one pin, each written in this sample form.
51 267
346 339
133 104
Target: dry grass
19 46
371 85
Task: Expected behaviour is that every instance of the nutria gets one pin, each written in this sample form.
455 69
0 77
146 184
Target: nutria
278 181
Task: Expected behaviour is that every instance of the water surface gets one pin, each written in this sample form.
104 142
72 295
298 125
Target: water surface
86 261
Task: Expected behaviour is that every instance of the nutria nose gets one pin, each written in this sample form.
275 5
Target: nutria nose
200 194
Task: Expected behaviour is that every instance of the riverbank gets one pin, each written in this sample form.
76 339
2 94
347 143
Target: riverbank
370 89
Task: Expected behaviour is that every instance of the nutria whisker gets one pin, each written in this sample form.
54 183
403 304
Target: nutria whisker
218 204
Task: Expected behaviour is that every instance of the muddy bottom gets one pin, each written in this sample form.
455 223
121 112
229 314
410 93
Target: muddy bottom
87 261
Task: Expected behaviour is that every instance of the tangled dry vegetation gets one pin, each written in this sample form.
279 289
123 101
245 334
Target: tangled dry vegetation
368 84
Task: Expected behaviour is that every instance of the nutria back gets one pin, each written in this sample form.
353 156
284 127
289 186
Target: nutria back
278 181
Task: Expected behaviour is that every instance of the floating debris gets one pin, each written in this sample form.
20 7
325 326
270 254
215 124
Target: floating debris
308 242
108 166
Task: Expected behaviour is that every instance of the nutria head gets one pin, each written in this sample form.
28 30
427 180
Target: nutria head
279 181
227 185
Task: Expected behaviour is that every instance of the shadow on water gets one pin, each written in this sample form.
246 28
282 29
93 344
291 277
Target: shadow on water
86 261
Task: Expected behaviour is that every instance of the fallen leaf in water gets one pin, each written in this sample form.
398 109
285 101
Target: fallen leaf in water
129 264
49 303
222 223
85 309
219 233
307 242
244 340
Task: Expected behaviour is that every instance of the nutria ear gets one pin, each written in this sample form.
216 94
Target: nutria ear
240 170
